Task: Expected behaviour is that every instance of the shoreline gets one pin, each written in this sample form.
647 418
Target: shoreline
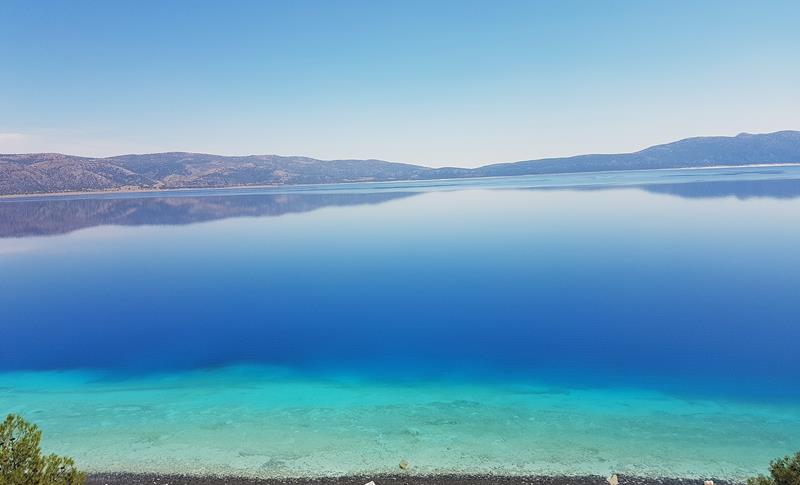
393 479
156 191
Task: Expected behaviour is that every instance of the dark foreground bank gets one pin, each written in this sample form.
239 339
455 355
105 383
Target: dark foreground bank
147 479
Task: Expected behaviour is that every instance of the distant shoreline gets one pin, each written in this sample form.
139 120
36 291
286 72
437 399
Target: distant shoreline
57 173
322 185
400 479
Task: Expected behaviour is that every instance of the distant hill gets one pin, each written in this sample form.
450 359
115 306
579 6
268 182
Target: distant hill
706 151
52 172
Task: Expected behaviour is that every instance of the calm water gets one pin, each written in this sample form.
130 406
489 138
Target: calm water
641 322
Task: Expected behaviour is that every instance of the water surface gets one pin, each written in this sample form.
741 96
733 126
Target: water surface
639 322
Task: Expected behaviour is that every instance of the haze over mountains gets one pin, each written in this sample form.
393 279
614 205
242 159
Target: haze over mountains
52 172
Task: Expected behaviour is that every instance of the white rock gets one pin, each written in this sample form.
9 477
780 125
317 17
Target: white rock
613 480
708 482
370 483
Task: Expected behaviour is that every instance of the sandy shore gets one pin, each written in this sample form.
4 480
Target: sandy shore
147 479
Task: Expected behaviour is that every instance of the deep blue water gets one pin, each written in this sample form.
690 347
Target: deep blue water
680 282
623 285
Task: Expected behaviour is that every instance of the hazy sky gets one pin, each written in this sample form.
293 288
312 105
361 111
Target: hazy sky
434 82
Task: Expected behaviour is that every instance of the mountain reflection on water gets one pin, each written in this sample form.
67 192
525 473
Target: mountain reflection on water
741 189
41 216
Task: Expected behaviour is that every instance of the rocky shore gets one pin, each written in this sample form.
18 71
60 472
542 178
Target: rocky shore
152 479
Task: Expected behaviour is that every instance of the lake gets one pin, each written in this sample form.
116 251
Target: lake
634 322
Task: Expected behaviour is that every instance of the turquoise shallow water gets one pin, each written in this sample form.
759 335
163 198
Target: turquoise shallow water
269 422
642 322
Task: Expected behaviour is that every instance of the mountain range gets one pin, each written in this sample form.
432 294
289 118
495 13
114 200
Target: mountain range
39 173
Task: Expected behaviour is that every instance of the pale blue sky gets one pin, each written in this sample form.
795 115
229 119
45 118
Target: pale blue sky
434 82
